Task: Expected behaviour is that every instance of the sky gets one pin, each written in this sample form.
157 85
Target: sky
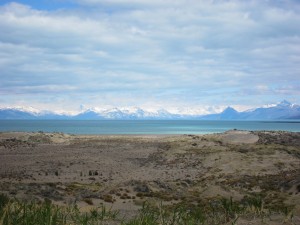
197 55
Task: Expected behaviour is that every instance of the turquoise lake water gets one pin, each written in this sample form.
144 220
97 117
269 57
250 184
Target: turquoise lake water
143 126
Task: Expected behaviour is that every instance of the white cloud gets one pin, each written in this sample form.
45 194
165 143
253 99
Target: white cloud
151 52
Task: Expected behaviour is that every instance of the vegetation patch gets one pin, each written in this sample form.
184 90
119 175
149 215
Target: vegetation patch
214 211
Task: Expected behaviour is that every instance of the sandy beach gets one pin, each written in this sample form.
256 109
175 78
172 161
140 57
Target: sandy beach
124 171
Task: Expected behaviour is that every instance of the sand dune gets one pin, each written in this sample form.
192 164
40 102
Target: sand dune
123 171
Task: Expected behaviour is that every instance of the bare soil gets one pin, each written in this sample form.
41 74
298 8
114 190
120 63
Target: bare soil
124 171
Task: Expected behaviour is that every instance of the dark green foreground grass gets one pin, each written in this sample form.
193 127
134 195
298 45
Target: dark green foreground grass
219 211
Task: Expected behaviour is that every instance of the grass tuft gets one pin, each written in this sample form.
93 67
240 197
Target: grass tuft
215 212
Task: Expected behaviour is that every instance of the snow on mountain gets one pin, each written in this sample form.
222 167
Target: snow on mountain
7 114
282 110
25 109
135 113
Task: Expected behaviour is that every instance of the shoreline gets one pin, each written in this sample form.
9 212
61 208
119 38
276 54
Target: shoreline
151 135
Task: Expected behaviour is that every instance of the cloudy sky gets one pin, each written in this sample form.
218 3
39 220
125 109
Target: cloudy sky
187 54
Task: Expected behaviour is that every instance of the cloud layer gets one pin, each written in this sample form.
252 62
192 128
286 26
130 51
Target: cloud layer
182 53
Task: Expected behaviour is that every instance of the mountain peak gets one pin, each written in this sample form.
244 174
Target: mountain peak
284 103
229 113
283 110
229 109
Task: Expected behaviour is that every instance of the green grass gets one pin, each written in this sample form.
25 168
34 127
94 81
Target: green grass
14 212
214 212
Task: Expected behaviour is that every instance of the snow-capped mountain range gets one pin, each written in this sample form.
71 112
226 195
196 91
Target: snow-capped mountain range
283 110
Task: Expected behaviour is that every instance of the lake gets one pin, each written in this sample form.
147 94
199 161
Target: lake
143 126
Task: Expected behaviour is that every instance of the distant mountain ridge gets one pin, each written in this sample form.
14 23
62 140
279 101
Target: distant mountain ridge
282 111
